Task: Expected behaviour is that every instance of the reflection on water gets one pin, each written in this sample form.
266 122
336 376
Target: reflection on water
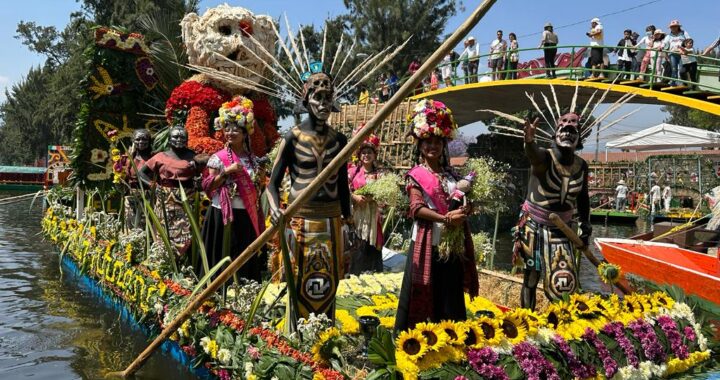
50 328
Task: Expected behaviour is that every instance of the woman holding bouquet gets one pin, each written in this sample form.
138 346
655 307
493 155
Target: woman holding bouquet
366 211
434 280
229 183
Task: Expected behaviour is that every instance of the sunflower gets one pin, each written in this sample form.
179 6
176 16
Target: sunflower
609 273
322 349
480 304
661 299
387 322
411 344
436 337
585 305
487 332
530 320
560 312
633 306
456 331
347 322
512 326
609 306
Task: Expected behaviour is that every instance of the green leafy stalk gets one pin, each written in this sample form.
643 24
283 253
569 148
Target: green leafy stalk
162 232
197 236
254 307
289 277
208 276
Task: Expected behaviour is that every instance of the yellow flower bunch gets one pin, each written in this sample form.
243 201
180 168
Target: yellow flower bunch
322 347
676 365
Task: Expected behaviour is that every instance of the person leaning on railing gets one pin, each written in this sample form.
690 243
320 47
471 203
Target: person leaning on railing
710 48
625 54
513 57
549 43
689 68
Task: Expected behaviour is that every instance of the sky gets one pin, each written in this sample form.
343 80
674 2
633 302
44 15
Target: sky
523 17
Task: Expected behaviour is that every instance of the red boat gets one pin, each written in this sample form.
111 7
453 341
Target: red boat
666 263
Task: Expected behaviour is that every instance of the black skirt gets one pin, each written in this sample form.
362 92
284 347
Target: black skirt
366 258
448 294
242 234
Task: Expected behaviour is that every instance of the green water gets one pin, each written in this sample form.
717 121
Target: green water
50 328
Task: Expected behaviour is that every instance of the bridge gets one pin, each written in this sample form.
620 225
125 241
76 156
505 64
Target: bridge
508 95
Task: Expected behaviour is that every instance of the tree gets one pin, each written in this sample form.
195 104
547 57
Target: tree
21 145
376 25
684 116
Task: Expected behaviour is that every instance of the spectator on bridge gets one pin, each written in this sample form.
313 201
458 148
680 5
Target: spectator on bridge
434 80
497 53
658 55
414 66
549 43
364 96
446 69
455 59
689 68
472 54
392 83
621 192
597 41
635 62
712 47
674 42
646 43
513 56
625 54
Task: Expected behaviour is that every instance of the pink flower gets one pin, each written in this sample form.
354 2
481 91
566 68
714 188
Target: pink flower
253 352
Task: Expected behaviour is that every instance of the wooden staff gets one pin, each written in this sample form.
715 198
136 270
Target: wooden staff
575 239
311 189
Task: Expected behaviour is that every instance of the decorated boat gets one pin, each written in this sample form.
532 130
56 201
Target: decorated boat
613 216
666 263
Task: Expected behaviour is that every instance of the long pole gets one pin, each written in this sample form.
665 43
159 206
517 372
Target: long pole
575 239
310 190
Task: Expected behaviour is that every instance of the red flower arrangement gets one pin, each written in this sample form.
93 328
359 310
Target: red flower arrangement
198 129
194 94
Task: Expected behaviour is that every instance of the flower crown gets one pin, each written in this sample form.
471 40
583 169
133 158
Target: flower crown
238 111
372 141
432 118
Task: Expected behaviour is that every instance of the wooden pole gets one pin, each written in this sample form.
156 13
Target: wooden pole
311 189
575 239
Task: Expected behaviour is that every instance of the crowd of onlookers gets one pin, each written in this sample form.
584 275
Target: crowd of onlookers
663 56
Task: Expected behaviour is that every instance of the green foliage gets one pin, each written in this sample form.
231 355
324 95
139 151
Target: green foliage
375 23
688 117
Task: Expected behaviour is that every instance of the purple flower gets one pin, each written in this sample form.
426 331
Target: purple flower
460 377
577 367
669 327
223 374
609 364
533 363
483 362
645 333
689 334
616 331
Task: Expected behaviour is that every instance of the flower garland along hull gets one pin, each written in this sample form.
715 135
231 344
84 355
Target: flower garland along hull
639 336
211 337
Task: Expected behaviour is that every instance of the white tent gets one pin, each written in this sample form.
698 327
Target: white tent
666 136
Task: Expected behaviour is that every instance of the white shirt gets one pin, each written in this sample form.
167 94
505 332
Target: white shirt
471 51
496 48
667 192
597 39
216 163
655 192
625 56
675 40
621 191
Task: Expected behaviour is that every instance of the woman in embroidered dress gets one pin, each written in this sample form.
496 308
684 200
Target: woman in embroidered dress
229 183
366 212
433 283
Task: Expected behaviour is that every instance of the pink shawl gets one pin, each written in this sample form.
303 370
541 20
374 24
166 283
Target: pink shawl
245 190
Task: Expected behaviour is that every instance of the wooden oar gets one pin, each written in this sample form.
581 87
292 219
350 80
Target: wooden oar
310 190
575 239
598 207
17 198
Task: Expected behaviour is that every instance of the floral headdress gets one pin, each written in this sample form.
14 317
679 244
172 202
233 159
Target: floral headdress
238 111
373 141
432 118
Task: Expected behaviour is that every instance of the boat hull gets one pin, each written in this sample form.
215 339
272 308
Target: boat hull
612 216
664 263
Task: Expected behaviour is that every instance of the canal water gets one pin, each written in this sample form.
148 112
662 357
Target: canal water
50 327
